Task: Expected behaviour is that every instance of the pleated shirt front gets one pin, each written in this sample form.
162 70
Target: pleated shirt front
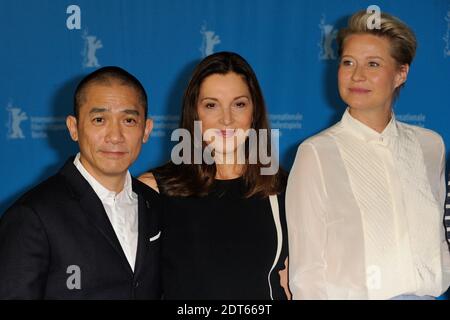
364 212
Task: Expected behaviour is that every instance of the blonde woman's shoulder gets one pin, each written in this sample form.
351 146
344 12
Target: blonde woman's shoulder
425 135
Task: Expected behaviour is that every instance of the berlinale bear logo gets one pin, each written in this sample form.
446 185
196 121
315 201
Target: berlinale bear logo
210 40
16 117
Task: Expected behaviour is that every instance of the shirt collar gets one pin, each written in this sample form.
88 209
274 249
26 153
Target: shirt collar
366 133
102 192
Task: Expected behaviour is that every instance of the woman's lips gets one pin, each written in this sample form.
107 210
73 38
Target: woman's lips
359 90
226 133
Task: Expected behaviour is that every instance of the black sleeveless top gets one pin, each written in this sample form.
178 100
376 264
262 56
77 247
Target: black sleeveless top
221 246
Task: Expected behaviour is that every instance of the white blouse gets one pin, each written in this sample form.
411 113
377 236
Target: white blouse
365 213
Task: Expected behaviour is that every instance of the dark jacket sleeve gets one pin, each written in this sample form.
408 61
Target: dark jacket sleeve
24 254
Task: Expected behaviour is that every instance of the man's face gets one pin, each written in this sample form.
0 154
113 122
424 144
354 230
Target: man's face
110 129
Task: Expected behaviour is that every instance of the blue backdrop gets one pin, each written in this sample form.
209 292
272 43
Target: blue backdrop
47 46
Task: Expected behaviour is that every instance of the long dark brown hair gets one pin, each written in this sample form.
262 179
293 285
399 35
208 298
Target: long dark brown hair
197 179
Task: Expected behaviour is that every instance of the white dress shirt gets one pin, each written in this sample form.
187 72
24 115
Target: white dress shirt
365 213
122 211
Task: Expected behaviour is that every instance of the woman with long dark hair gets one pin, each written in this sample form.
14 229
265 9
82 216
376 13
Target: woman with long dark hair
224 233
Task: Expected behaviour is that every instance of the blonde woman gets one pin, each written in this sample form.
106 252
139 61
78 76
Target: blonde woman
365 198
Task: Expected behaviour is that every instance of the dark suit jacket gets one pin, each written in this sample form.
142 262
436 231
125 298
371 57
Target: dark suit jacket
59 233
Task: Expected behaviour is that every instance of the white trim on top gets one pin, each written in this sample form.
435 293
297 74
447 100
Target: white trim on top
276 217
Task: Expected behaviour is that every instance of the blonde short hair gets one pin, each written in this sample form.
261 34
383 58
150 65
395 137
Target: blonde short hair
402 38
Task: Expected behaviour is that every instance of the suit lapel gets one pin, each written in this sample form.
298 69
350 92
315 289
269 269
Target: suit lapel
143 227
140 253
93 207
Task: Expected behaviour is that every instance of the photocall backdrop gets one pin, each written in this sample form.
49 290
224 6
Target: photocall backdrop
48 46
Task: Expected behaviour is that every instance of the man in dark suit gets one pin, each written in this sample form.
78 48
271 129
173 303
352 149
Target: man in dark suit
91 231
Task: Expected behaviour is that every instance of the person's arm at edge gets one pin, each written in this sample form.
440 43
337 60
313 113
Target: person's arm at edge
442 202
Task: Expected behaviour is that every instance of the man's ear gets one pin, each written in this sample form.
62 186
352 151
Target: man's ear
71 123
147 130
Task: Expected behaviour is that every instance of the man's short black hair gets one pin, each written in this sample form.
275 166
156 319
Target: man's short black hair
108 76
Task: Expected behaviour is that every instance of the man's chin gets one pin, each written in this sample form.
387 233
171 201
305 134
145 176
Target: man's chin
115 168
